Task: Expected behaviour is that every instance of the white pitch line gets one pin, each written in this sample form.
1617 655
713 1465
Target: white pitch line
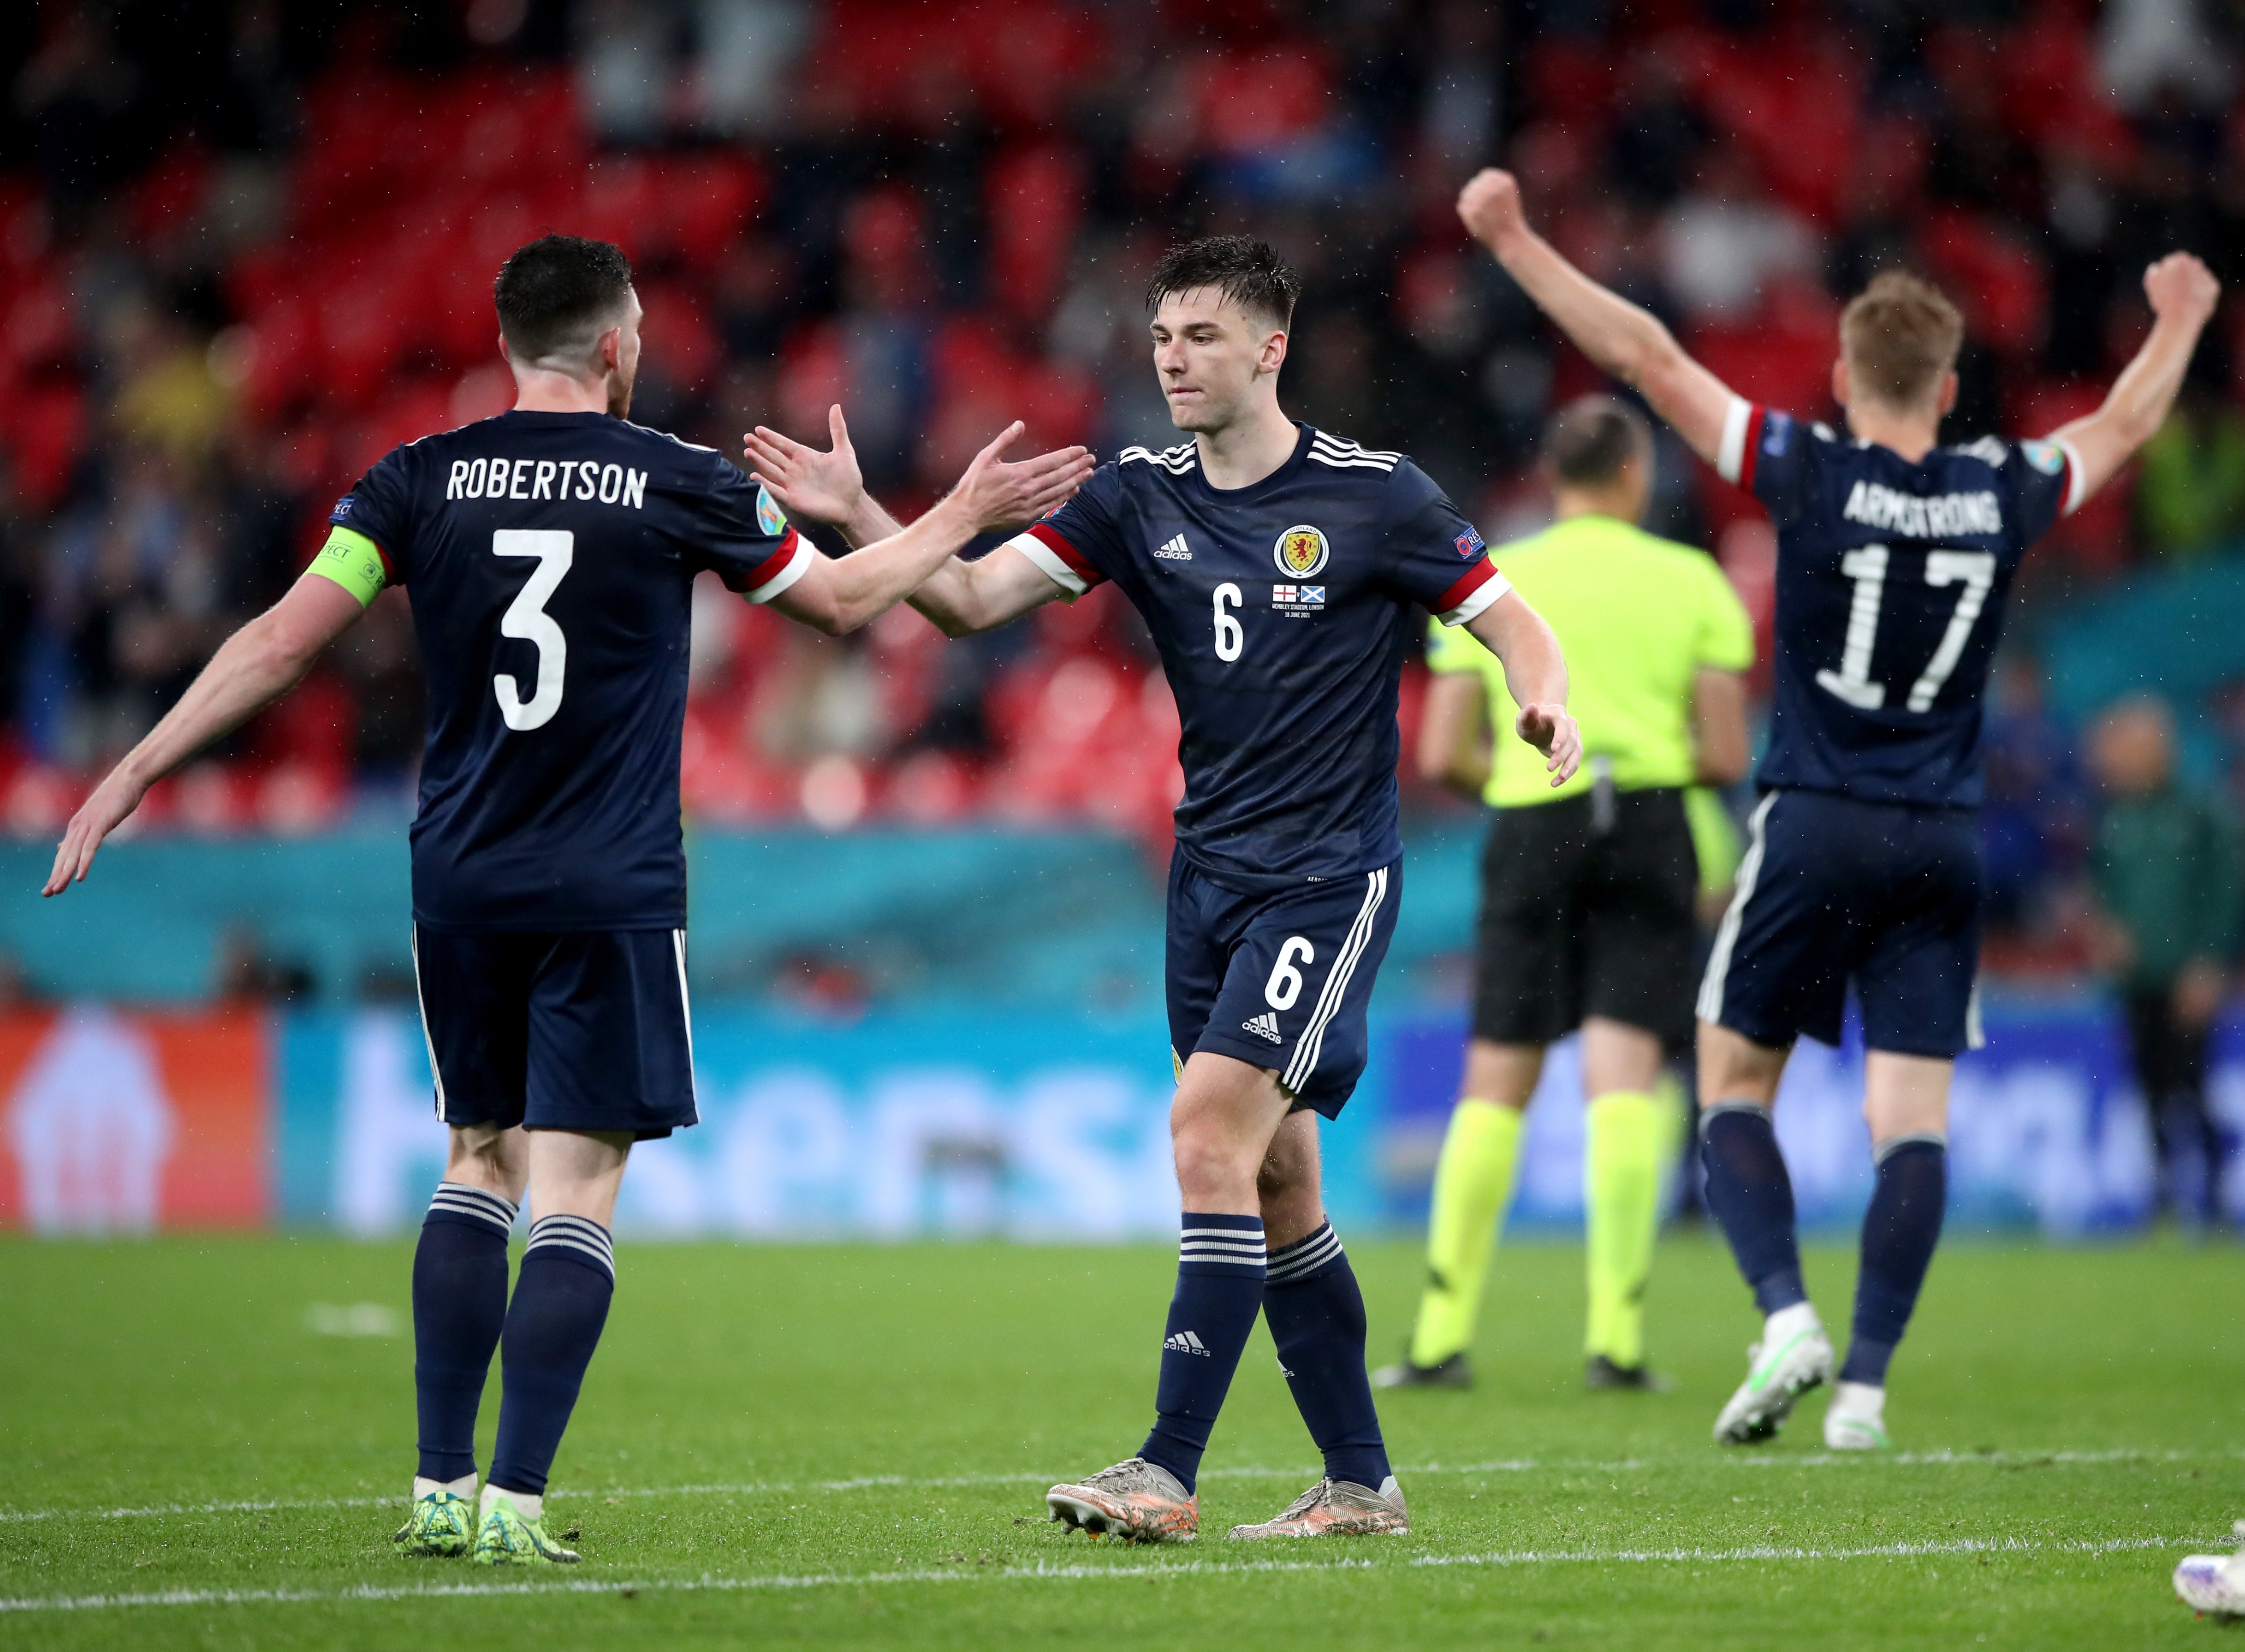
1079 1572
898 1482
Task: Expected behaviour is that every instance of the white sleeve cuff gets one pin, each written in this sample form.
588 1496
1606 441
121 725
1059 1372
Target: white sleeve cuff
1731 453
1477 602
2074 477
1049 563
797 566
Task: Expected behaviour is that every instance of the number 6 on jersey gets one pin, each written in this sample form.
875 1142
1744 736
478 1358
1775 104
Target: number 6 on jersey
526 619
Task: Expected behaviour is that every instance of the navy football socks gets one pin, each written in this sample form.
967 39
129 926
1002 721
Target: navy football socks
1316 1315
1900 1230
560 1303
1751 1196
1219 1292
459 1303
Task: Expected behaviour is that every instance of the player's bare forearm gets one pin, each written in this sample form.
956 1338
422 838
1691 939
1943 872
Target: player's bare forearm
964 599
868 522
1535 672
1628 342
2183 293
1453 749
255 667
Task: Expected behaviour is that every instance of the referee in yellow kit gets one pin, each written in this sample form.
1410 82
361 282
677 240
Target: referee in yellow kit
1588 892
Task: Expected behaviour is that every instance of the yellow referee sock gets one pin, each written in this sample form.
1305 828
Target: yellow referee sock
1626 1141
1473 1185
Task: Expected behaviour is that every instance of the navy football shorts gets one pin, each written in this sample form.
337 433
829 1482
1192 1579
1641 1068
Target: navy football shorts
586 1031
1280 981
1834 892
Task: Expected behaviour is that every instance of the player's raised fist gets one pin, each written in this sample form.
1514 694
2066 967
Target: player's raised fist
2182 286
1489 206
1552 731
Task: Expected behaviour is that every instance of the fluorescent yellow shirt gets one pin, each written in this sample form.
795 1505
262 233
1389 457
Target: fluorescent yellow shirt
1637 616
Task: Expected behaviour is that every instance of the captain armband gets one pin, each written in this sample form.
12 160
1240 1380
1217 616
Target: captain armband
353 561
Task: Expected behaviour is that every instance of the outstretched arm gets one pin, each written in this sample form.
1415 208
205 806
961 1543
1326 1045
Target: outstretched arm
2183 293
1536 675
840 595
1627 342
960 597
255 666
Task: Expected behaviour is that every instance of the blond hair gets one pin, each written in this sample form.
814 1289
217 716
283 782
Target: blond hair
1900 338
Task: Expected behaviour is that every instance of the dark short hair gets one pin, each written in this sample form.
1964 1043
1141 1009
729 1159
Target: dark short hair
1591 437
554 290
1247 271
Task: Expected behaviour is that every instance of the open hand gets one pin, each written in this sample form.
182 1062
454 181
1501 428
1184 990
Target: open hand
997 494
1489 207
101 815
2182 286
818 487
1550 731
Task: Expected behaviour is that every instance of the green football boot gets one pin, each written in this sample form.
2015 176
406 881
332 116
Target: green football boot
441 1526
506 1538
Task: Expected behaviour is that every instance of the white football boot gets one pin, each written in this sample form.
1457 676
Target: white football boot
1793 1355
2214 1582
1335 1508
1855 1421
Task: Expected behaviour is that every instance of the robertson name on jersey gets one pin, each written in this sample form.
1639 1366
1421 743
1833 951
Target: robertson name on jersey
1283 612
550 559
1890 584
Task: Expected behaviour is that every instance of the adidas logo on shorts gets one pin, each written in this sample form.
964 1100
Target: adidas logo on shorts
1186 1342
1265 1026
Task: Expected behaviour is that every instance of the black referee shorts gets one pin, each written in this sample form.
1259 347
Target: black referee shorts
1587 910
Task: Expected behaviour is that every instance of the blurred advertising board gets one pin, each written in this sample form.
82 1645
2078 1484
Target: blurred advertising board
125 1121
919 1123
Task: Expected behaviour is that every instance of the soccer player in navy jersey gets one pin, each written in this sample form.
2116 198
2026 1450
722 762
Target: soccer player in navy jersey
1894 557
1279 569
550 554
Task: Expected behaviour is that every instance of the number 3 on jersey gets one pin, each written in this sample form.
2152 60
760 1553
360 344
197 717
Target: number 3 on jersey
1867 567
528 620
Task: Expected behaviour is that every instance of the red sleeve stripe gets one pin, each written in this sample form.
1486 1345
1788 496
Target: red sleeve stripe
389 567
775 565
1470 593
1049 537
1755 421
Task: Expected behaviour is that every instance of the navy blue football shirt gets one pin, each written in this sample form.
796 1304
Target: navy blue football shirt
550 559
1283 612
1890 584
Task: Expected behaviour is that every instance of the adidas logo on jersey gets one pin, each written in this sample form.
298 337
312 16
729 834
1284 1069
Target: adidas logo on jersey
1186 1342
1265 1026
1174 550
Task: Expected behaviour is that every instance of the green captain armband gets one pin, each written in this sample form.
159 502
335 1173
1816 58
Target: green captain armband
353 561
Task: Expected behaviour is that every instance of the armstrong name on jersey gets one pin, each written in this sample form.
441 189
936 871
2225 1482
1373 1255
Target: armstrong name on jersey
550 559
1283 612
1890 584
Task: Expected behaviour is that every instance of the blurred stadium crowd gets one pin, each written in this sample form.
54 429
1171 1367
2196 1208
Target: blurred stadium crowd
246 249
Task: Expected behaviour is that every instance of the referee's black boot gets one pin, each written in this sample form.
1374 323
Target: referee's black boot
1457 1371
1599 1372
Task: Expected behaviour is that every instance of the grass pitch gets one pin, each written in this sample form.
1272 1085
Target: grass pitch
205 1443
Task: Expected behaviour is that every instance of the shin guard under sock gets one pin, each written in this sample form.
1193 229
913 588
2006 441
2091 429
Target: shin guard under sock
1219 1292
552 1326
1751 1196
459 1303
1316 1315
1900 1230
